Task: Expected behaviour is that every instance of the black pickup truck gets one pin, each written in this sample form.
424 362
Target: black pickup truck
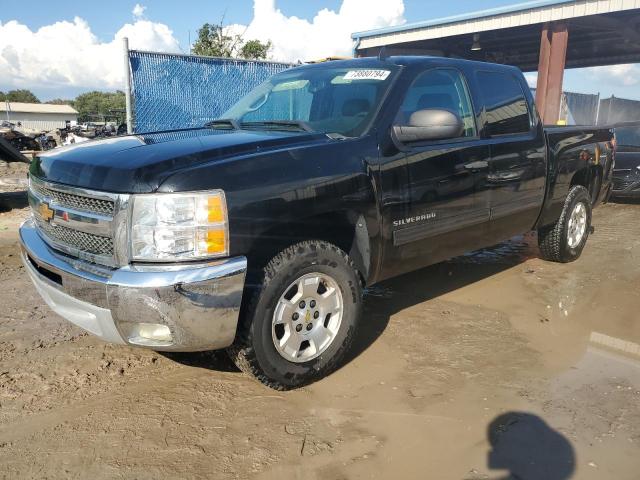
258 232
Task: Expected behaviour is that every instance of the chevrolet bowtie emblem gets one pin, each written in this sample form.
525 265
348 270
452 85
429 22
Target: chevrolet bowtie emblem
45 212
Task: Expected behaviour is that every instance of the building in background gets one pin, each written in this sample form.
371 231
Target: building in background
38 116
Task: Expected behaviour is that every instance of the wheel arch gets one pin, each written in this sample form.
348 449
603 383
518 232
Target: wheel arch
347 229
590 177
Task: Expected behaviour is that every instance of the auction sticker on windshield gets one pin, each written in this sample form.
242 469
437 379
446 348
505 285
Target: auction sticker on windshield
367 74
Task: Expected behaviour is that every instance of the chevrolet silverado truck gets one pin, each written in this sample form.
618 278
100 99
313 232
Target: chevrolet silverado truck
258 232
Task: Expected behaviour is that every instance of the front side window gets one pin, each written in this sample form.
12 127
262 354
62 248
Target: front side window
506 108
330 100
439 89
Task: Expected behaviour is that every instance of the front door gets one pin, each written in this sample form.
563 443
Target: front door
432 205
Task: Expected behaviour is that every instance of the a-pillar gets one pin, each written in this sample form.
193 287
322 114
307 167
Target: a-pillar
553 53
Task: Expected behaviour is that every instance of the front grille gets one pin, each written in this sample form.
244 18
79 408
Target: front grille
76 221
74 201
86 242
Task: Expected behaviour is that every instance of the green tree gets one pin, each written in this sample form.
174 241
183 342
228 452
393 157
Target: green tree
22 95
99 103
59 101
255 50
215 40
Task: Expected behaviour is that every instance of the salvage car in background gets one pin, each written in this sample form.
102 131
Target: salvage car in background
258 232
26 139
626 175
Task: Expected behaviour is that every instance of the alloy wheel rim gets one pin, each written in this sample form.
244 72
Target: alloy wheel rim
307 317
577 225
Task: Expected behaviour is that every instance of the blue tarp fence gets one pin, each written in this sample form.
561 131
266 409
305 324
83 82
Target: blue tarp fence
616 110
181 91
578 108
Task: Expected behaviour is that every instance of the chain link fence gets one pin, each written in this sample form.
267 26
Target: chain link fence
182 91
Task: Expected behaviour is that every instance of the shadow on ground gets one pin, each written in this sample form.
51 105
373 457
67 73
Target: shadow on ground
383 300
217 360
13 200
626 200
528 448
392 296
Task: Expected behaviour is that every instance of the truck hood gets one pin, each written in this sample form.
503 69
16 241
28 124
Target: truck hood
140 163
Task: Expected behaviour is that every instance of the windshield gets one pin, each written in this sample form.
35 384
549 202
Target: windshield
338 101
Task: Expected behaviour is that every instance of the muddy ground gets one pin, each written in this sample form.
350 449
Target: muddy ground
487 365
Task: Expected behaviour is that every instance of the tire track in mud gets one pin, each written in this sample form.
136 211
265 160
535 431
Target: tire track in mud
182 423
37 422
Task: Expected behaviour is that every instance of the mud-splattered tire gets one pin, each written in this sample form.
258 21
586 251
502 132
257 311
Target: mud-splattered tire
272 303
564 241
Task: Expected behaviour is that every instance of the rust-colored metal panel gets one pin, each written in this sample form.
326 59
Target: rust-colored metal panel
553 53
543 69
557 58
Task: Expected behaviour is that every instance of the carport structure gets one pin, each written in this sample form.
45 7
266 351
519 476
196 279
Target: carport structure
543 35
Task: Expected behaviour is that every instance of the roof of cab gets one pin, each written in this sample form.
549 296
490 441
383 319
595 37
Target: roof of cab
404 60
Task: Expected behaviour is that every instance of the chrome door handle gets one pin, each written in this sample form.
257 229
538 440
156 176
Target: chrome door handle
477 165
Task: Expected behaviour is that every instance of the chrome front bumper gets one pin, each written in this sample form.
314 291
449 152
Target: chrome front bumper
178 307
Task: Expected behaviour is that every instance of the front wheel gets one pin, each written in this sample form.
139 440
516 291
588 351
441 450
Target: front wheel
564 241
301 317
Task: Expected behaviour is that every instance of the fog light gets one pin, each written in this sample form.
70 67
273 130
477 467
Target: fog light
149 334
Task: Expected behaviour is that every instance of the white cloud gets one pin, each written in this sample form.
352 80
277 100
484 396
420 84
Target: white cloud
624 75
532 79
69 54
138 10
327 34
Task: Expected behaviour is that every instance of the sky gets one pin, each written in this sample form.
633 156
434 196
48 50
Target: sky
61 49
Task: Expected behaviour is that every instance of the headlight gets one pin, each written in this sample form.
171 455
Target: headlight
179 226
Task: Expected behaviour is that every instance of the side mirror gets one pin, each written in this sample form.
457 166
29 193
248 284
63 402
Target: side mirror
429 124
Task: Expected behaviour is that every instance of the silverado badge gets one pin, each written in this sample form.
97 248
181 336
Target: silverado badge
45 212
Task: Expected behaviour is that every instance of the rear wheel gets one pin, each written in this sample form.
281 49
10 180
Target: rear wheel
300 320
565 240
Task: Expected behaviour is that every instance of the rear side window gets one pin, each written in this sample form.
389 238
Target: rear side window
506 108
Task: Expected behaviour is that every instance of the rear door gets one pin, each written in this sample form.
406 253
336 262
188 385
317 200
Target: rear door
515 183
434 209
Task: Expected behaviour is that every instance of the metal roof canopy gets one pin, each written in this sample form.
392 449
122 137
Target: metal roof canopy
37 108
600 32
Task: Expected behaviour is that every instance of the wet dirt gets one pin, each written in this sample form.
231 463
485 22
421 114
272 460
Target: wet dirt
492 364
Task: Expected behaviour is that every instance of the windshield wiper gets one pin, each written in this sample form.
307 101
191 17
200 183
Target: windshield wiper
298 125
224 123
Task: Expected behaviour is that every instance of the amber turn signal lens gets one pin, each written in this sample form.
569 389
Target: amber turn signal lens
216 209
216 241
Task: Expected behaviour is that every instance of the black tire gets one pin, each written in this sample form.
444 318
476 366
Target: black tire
553 239
254 351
